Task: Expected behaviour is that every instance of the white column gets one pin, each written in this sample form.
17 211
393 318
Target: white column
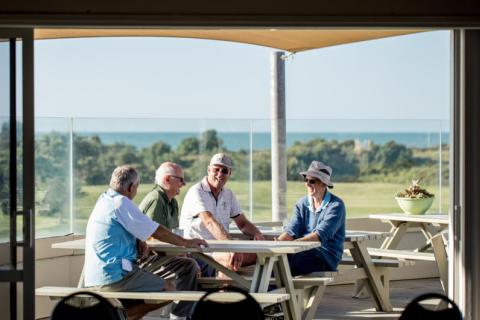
278 130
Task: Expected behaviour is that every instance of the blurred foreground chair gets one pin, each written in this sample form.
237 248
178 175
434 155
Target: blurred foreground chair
418 309
208 308
87 305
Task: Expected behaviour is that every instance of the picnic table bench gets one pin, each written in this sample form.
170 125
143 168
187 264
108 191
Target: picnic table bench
264 299
308 288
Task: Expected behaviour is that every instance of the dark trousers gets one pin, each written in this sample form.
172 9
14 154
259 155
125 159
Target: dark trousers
306 262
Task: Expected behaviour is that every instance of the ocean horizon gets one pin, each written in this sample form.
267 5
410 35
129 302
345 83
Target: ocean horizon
236 141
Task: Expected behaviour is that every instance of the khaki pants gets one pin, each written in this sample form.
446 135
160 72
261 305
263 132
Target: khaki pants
151 277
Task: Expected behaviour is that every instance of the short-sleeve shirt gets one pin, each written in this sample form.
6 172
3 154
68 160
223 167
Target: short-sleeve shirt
110 243
328 222
159 208
199 198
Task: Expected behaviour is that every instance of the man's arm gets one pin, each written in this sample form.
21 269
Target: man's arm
230 260
247 227
309 237
163 234
212 225
285 237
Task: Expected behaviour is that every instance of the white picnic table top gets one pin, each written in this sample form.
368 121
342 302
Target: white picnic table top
437 218
246 246
350 235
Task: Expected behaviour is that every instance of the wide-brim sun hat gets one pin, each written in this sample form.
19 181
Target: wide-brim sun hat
321 171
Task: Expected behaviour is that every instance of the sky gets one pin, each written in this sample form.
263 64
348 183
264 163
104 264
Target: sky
405 77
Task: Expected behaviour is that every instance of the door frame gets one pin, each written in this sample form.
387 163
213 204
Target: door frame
25 274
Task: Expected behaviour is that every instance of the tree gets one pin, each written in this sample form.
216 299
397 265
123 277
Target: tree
87 165
339 155
210 141
150 158
188 147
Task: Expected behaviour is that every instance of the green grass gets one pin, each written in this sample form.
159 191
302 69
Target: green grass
360 199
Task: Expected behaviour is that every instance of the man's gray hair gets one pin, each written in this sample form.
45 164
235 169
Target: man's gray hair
165 169
122 177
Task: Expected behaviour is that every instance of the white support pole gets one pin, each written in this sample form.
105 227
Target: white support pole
278 130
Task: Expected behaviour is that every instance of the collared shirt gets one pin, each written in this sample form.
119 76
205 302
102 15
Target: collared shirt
199 198
110 243
328 222
159 208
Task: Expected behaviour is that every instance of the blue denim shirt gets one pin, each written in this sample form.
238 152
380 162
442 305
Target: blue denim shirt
328 222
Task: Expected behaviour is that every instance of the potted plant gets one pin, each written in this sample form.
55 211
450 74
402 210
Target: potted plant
414 199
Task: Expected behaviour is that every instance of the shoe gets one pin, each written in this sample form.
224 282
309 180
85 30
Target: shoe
273 312
175 317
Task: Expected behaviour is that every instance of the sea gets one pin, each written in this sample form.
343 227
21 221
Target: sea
236 141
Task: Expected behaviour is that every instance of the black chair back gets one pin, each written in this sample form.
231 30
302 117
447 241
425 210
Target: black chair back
86 305
247 308
416 311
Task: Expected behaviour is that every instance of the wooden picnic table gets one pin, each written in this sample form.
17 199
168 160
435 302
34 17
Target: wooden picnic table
355 243
272 256
433 228
429 224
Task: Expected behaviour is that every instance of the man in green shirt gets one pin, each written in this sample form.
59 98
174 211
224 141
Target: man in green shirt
160 203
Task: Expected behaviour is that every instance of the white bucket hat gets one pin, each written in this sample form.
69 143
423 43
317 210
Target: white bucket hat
320 171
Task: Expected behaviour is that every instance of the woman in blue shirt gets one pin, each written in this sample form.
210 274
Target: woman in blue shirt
319 216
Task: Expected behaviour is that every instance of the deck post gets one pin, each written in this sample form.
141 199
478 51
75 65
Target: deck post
278 139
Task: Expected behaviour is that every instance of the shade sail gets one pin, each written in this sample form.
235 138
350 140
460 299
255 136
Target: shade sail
292 40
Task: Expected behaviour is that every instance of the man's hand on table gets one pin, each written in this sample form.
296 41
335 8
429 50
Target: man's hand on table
195 243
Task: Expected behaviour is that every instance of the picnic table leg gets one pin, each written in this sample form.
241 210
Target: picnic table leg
279 284
285 276
81 281
398 230
313 296
229 273
262 273
377 292
441 259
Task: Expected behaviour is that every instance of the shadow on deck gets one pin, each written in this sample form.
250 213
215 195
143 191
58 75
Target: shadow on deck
338 304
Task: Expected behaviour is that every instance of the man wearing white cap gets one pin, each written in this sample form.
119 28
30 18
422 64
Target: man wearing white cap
319 216
208 209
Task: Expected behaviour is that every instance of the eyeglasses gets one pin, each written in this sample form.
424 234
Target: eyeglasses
182 180
222 170
310 181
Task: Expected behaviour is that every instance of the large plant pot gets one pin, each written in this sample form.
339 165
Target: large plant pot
415 206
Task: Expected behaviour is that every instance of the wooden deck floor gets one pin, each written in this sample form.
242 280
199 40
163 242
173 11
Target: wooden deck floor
337 302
